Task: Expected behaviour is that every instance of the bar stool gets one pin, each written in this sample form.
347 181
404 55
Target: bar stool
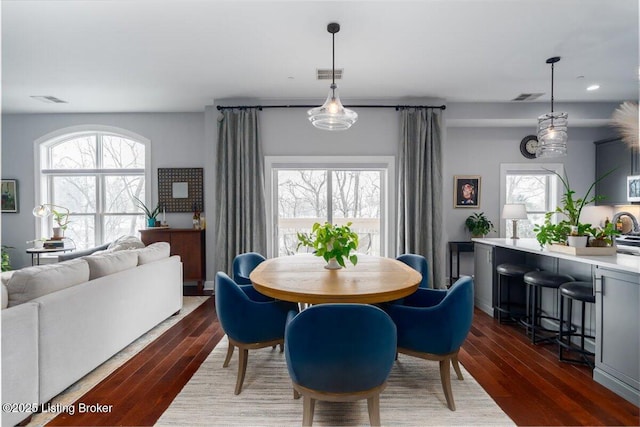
512 273
583 292
535 281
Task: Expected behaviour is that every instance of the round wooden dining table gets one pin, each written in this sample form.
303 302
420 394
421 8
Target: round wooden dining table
302 278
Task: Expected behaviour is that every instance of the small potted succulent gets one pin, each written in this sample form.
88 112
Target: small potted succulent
478 224
332 242
603 237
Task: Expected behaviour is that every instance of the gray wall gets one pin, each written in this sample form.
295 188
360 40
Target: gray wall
177 140
477 138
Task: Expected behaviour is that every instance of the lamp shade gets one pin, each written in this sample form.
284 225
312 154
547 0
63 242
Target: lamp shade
514 211
332 115
41 211
552 135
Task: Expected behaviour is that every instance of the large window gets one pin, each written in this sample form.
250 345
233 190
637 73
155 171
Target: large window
534 185
304 192
95 175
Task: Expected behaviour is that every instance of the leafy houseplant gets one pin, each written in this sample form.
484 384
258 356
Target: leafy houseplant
151 214
603 237
478 224
570 208
6 262
332 242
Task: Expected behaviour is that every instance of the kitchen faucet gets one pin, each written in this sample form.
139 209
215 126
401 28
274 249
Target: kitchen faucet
636 227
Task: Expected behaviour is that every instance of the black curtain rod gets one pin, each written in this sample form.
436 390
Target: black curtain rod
397 107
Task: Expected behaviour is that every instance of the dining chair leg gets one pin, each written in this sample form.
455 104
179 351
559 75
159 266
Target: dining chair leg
296 395
446 383
281 347
308 406
373 403
242 368
456 367
229 354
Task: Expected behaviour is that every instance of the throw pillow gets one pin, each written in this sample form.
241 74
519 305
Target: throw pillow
5 296
124 243
33 282
110 263
153 252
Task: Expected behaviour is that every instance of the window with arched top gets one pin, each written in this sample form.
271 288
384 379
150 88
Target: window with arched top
95 175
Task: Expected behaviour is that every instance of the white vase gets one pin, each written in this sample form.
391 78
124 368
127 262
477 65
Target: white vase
57 233
577 241
332 264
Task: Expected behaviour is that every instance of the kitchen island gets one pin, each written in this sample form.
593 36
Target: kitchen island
614 319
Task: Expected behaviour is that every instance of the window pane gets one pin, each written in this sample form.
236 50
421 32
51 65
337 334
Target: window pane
119 192
122 153
302 200
76 193
356 199
77 153
81 230
122 225
528 189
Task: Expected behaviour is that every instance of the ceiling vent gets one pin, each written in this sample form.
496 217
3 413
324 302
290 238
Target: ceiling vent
527 96
325 73
49 99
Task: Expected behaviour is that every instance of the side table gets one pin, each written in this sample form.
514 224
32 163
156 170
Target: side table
35 253
457 247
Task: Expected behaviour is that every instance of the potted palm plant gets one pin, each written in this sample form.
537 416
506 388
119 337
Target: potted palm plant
478 224
332 242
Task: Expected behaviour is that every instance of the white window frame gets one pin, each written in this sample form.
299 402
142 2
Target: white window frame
42 191
387 190
526 169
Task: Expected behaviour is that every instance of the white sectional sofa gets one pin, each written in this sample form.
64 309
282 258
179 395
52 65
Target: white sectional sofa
61 321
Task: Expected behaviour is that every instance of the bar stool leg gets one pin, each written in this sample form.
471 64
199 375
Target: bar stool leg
561 333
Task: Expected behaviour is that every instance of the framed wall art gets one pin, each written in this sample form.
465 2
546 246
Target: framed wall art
466 191
9 192
181 189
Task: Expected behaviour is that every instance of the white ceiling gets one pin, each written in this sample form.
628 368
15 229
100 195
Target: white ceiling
180 55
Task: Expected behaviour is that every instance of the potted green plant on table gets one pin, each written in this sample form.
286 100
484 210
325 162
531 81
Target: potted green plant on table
151 214
332 242
603 237
478 224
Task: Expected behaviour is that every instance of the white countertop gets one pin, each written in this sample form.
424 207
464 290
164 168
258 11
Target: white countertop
623 262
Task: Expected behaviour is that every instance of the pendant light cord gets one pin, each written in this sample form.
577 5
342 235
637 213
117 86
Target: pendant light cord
552 64
333 65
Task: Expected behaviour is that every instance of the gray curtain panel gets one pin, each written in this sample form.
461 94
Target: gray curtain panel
420 190
239 196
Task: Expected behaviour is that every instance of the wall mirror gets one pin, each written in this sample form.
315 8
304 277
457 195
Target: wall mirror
181 189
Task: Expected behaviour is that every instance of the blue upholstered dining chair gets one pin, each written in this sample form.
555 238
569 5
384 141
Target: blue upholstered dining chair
418 263
340 352
243 265
249 324
433 324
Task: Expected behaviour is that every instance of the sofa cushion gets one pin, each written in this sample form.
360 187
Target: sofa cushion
5 296
126 242
153 252
33 282
110 263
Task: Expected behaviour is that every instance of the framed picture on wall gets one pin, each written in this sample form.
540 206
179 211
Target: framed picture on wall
466 191
9 192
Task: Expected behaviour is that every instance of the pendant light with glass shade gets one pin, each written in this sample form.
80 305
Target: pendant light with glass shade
332 115
552 127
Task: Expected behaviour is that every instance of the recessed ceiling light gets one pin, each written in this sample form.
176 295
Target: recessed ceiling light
593 87
49 99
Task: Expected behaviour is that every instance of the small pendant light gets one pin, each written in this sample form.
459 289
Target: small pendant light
552 127
332 115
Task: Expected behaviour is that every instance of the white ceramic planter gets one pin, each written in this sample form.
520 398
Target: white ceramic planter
577 241
333 265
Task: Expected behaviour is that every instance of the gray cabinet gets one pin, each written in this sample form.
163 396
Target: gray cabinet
615 154
483 277
618 332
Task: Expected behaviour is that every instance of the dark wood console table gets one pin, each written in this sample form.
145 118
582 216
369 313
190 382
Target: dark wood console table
457 247
186 242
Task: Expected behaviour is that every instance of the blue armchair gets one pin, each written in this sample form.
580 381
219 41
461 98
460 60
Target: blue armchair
340 352
249 324
418 263
243 265
433 324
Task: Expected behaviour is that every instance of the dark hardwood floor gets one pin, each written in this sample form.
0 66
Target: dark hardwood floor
527 381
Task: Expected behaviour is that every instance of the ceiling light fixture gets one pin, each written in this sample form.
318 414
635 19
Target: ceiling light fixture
332 115
593 87
552 127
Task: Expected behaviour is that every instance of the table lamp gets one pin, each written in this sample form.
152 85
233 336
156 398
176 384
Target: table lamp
514 212
62 218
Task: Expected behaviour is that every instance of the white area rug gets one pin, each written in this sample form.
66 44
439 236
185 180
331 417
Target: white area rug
83 385
413 396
